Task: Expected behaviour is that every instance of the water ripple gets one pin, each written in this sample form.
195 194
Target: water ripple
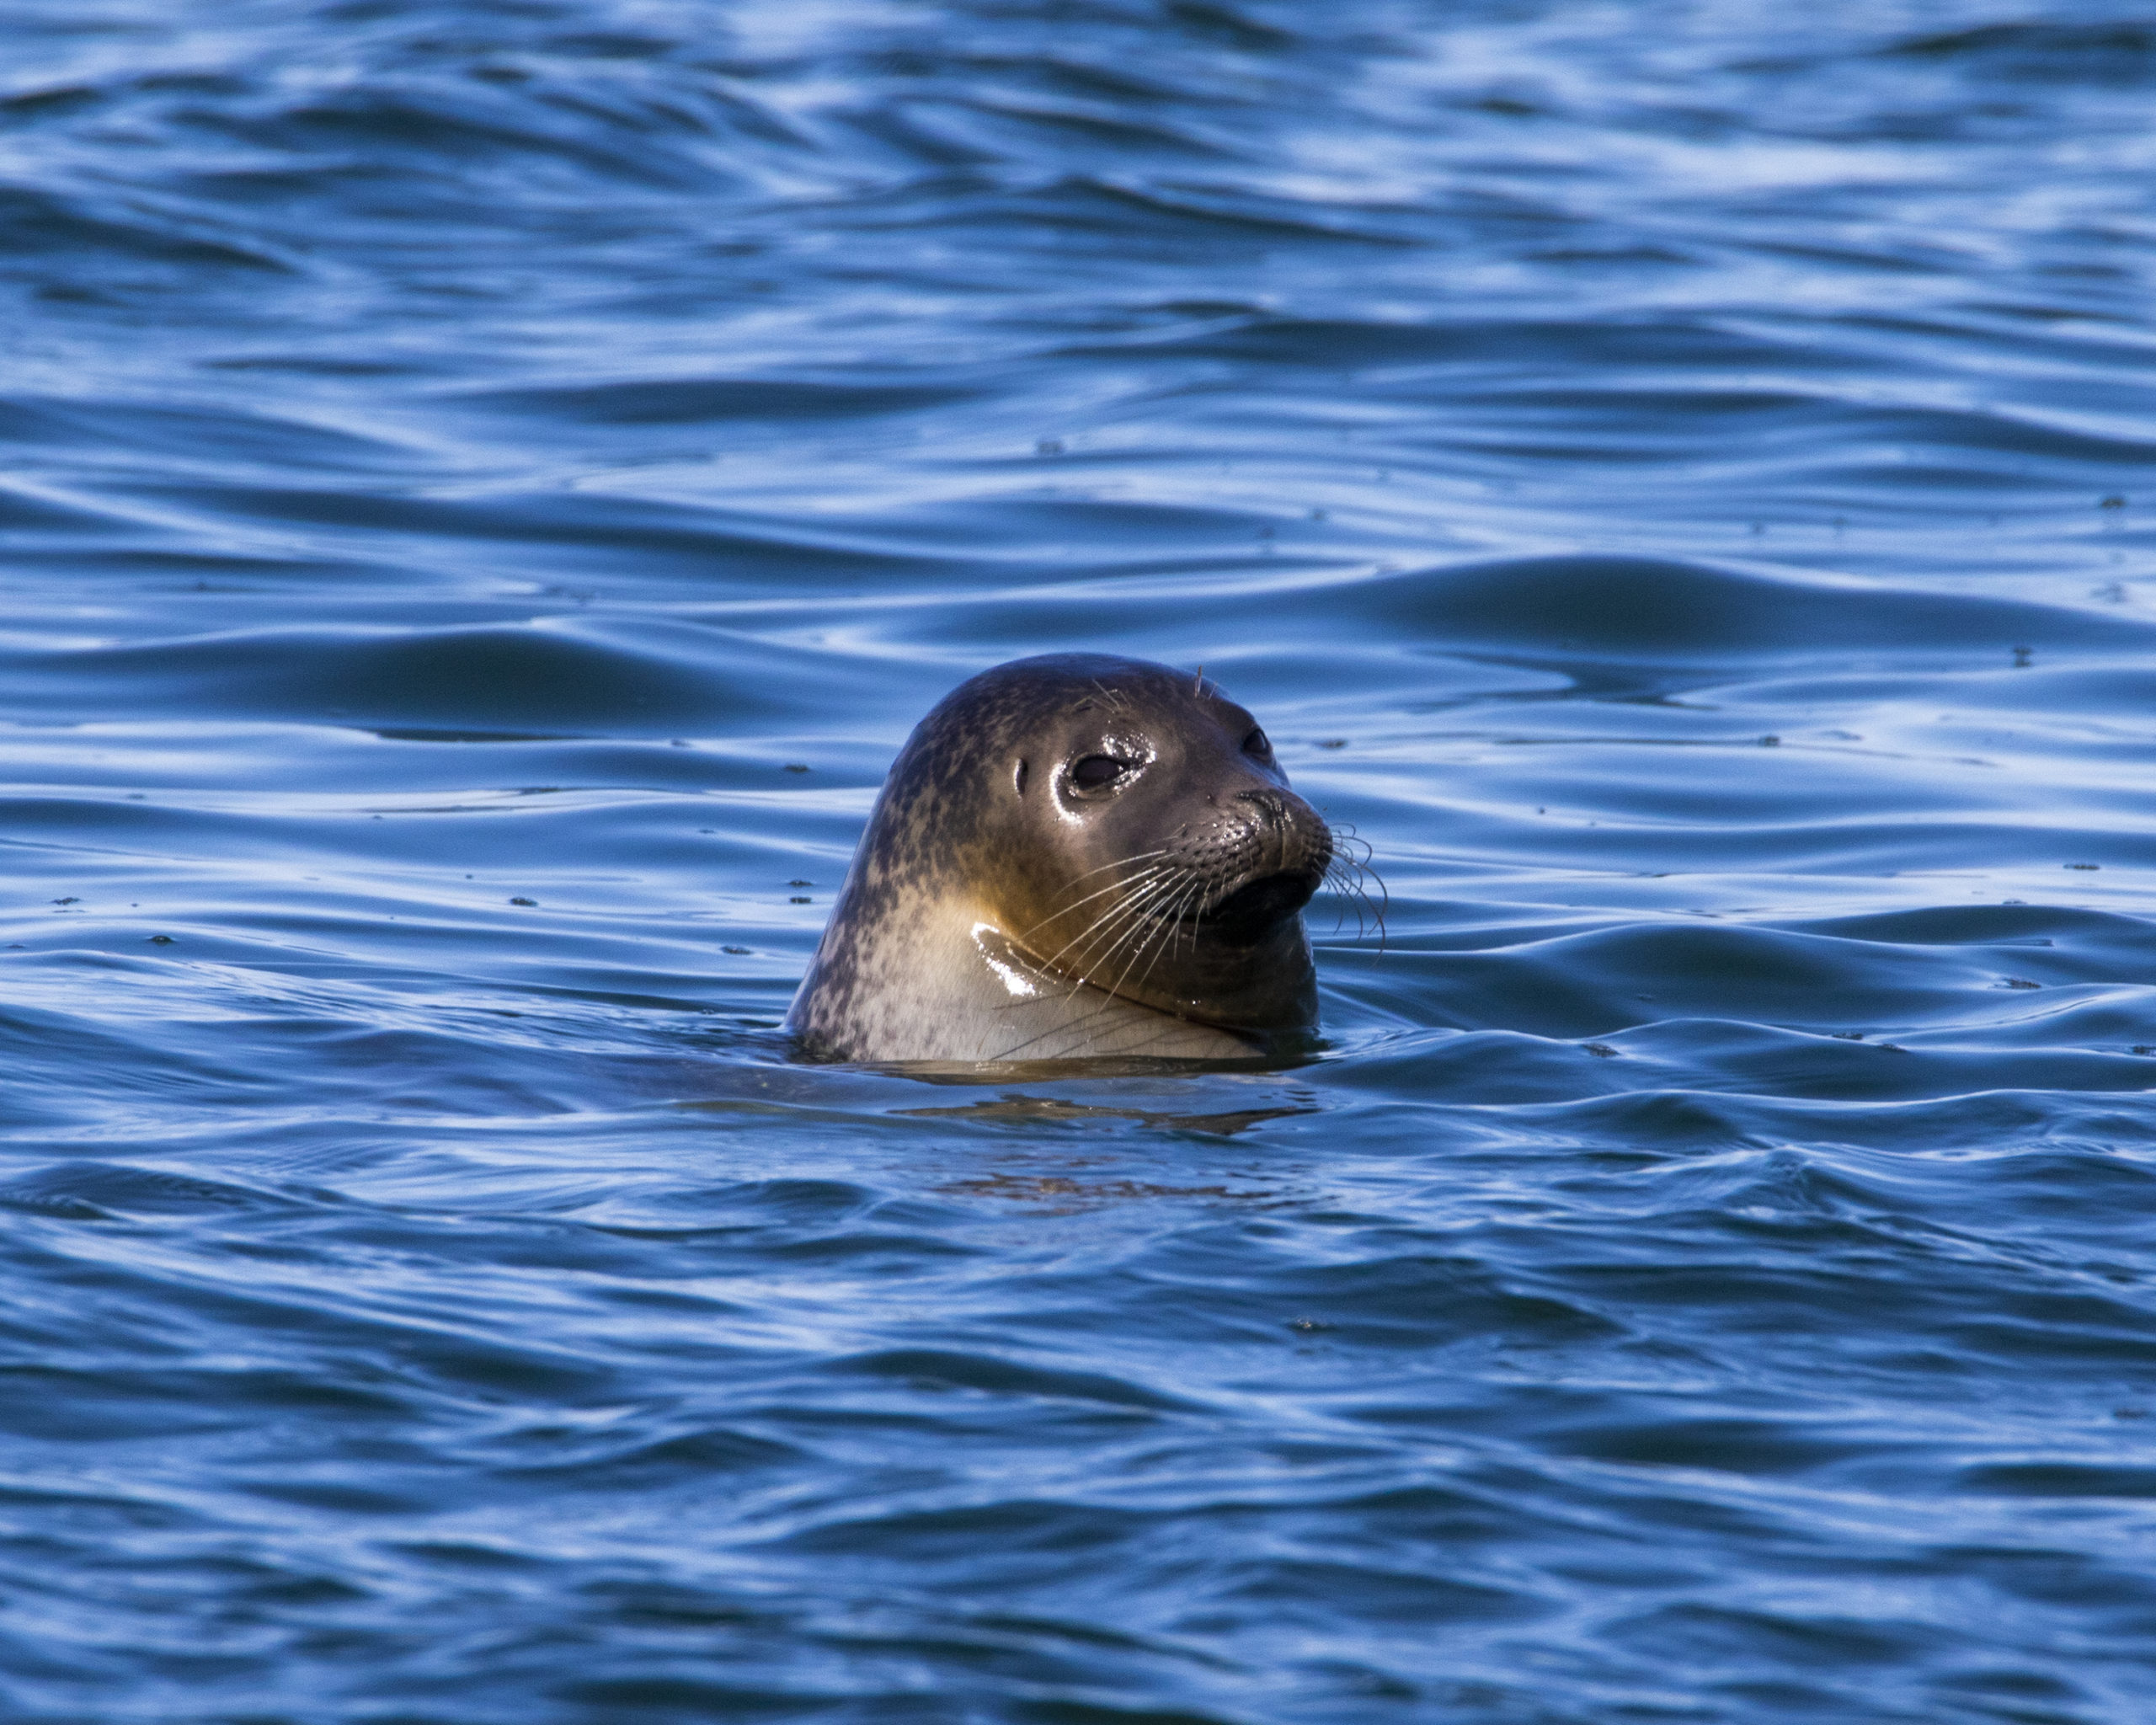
490 488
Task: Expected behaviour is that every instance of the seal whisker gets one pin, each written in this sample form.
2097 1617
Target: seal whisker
1347 874
1179 928
1141 878
1350 895
1132 918
1135 908
1172 926
1187 924
1114 911
1134 914
1120 862
1114 886
1149 930
1150 937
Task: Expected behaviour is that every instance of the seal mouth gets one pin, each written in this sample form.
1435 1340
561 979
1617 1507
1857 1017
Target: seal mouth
1254 906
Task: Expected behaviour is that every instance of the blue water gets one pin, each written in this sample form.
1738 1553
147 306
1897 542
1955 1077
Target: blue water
489 486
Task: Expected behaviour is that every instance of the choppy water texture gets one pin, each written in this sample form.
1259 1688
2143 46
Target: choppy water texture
489 486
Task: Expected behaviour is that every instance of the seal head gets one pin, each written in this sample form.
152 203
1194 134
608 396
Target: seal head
1074 856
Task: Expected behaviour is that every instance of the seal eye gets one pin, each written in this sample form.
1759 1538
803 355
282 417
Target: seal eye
1097 773
1258 743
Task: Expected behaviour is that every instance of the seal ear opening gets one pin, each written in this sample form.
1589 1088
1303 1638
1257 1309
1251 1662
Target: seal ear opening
1018 778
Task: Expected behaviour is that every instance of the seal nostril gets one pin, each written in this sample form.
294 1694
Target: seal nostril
1274 805
1018 778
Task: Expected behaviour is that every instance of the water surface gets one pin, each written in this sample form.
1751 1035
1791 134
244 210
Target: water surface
489 486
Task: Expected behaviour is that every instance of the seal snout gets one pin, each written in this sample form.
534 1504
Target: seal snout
1259 865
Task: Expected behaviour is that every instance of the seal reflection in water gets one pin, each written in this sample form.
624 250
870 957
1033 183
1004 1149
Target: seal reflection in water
1074 856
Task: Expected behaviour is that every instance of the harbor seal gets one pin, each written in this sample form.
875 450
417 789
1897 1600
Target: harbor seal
1074 856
